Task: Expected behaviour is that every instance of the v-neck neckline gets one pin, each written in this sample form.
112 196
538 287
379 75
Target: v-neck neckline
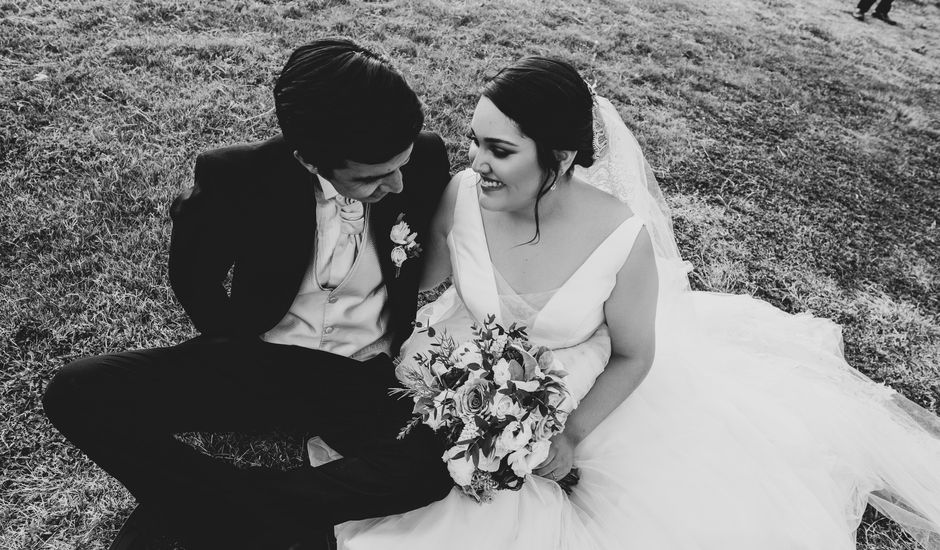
494 289
489 254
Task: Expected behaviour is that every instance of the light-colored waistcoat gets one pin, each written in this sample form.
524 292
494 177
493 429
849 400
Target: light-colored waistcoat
350 320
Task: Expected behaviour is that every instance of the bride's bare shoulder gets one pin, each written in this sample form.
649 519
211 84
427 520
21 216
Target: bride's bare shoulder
604 209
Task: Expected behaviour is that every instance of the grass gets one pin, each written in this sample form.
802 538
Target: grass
798 147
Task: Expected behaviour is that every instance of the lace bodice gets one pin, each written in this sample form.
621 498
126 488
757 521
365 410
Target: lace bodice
522 308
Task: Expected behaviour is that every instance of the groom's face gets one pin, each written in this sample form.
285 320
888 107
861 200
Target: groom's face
370 182
366 182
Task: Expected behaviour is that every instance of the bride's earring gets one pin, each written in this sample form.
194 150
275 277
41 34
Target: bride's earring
553 186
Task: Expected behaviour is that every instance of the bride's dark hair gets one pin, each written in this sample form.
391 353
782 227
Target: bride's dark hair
552 105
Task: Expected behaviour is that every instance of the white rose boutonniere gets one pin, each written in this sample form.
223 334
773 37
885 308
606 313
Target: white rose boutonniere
406 245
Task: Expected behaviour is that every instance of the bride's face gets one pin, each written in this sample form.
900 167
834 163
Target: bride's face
506 160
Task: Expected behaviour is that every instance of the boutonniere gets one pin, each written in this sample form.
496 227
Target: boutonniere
406 247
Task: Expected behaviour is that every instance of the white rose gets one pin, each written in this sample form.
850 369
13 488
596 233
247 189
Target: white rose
400 233
461 470
526 459
501 372
399 256
502 406
515 436
471 398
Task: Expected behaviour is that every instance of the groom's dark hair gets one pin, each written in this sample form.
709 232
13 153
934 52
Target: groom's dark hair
337 101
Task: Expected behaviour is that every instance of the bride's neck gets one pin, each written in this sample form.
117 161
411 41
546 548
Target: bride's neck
548 205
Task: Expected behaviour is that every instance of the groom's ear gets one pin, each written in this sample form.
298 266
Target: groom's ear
310 168
565 160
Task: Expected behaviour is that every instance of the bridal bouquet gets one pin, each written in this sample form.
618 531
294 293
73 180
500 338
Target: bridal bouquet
495 400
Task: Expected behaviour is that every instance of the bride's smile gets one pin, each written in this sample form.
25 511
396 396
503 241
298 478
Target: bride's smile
487 184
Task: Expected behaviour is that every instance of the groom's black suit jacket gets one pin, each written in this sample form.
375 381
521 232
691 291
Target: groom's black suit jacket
252 210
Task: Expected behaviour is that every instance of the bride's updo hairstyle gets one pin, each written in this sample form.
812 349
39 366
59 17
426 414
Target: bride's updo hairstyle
552 105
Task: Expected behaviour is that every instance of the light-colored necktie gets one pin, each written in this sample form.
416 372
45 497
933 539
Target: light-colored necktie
340 223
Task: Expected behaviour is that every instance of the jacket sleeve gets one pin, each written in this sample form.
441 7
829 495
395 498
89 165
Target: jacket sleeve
202 249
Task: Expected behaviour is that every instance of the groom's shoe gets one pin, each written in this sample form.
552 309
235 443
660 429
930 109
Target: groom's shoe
139 532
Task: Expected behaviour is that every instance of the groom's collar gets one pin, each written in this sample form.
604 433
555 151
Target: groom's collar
326 188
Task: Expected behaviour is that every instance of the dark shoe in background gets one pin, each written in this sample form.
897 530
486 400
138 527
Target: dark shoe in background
858 15
884 17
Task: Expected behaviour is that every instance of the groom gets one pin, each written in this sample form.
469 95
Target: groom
320 297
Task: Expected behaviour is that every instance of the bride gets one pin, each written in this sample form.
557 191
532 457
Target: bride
710 422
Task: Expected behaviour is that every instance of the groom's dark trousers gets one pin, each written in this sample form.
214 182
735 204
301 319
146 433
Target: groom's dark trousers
252 210
123 409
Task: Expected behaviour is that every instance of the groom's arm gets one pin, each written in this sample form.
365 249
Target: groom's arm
201 248
433 173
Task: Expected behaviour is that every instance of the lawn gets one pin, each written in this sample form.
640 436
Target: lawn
799 149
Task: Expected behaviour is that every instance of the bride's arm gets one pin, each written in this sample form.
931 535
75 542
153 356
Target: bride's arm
631 316
436 255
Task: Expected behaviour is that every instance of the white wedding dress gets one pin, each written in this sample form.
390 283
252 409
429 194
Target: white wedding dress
750 432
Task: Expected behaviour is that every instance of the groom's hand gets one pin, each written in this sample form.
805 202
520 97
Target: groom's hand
560 458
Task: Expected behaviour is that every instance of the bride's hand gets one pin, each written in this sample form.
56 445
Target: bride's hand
560 458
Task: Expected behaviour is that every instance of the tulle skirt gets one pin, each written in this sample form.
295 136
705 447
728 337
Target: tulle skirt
750 432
